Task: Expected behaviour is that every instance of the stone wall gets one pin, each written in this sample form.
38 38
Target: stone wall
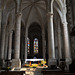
70 20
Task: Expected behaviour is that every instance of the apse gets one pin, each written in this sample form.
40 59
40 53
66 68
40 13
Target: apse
35 37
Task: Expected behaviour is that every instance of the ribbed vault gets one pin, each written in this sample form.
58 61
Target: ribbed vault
34 10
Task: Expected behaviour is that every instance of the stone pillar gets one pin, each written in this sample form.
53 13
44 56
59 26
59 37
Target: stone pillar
59 41
16 62
66 37
17 36
1 33
2 45
6 46
2 41
51 47
44 45
0 18
26 36
10 45
66 44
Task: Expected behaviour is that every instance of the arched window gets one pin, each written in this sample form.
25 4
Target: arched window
28 45
35 45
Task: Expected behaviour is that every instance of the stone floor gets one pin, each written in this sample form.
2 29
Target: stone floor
32 71
44 71
37 71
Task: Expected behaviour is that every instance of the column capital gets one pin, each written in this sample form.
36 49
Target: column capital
64 23
49 14
17 14
10 32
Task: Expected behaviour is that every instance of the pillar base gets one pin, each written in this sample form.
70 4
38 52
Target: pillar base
2 63
52 63
68 62
16 63
61 61
62 64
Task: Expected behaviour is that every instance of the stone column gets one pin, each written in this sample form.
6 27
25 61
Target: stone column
51 47
17 36
6 46
0 19
2 45
44 44
17 29
0 25
2 41
26 36
16 62
66 43
59 41
66 37
10 45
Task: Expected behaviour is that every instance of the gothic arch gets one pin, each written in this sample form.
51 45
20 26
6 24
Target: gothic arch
10 22
35 31
59 12
60 4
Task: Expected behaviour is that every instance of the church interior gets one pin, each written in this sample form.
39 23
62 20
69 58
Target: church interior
37 31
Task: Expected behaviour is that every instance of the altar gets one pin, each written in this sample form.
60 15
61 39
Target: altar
33 60
37 63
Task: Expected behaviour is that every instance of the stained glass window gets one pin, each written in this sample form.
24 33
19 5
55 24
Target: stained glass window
28 45
35 45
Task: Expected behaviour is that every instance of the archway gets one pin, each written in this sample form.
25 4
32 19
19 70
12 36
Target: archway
35 32
22 43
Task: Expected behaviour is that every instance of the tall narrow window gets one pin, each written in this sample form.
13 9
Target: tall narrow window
28 45
35 45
